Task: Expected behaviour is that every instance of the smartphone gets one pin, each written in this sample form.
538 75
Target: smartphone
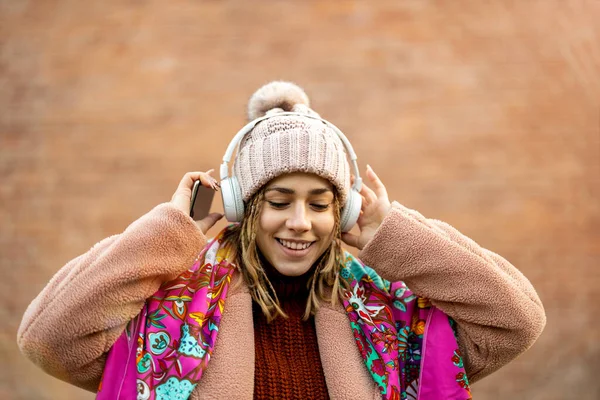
202 198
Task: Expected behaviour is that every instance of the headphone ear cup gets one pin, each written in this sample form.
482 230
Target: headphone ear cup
351 211
231 194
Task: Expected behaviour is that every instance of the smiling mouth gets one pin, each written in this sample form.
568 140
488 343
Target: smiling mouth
294 245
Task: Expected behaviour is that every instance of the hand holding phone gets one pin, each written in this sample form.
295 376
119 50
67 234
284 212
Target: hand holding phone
201 195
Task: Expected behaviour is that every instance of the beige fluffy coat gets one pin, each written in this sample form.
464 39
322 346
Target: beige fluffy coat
70 326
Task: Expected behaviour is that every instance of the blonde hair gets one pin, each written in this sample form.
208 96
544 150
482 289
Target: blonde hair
242 238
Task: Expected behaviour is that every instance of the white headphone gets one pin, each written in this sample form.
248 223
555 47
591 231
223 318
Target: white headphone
231 192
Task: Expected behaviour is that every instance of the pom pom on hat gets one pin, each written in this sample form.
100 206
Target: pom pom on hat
277 94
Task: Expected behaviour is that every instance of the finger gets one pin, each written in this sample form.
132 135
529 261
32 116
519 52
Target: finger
365 203
214 185
182 196
368 194
378 186
208 180
350 239
187 182
209 221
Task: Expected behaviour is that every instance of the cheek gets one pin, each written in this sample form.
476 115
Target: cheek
263 232
324 224
267 223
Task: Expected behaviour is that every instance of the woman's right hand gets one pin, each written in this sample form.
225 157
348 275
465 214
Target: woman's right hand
182 198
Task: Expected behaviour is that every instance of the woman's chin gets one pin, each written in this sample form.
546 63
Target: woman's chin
295 269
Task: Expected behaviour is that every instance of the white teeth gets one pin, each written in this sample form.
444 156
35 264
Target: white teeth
294 245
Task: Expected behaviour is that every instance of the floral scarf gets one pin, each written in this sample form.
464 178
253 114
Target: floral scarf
408 346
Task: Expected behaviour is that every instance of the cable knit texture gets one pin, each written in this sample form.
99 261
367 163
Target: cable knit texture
287 352
68 329
288 143
283 144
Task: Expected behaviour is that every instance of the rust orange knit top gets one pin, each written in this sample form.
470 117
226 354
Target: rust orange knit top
287 362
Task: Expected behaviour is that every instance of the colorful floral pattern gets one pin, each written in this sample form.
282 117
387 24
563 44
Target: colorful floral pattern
389 325
174 389
174 333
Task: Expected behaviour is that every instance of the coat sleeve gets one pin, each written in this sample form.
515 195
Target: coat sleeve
498 313
69 327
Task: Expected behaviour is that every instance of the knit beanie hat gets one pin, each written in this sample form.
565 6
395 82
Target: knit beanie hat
288 143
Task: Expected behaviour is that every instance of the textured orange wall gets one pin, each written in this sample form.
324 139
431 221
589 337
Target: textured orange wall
482 114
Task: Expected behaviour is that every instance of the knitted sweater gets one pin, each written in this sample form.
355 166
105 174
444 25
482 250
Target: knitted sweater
287 363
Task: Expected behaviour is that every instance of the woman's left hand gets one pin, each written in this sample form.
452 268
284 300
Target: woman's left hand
375 206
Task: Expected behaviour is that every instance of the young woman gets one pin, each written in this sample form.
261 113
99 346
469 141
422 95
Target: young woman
273 307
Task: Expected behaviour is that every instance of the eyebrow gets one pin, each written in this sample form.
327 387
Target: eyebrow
285 190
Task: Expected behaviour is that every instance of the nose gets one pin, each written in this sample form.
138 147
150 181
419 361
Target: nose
298 220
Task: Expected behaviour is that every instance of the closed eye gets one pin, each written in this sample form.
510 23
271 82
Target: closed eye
314 206
277 205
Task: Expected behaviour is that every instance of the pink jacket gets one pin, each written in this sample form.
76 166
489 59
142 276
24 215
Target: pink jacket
69 328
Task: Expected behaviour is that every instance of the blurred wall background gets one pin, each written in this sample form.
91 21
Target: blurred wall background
482 114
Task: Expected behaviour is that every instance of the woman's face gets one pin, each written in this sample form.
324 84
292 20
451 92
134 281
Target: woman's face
296 222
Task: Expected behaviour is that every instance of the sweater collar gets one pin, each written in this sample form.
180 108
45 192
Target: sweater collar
288 288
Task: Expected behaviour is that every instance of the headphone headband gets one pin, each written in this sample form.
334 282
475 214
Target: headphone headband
224 170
